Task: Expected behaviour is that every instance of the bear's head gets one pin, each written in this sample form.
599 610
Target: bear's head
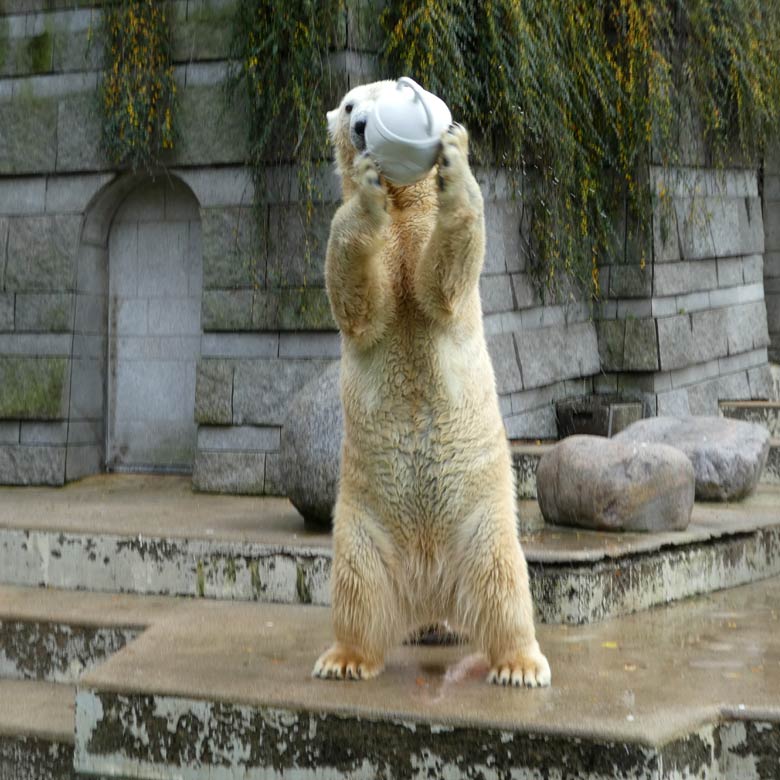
347 129
347 126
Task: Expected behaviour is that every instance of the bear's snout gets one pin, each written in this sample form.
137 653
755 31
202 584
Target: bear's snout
358 132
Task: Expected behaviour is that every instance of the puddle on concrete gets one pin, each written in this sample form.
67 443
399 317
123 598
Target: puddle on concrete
434 681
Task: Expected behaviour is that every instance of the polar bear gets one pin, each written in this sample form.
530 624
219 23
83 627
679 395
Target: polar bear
425 519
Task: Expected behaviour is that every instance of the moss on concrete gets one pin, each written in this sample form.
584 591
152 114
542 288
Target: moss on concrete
33 388
201 580
3 38
39 52
301 586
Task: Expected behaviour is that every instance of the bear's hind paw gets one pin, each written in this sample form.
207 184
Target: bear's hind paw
342 662
530 669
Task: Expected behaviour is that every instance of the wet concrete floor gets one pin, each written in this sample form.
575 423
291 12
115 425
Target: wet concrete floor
644 678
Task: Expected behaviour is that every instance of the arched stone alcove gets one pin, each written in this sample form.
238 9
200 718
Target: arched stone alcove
137 330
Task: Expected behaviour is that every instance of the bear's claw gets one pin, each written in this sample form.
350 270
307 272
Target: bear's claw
530 669
341 662
368 180
454 157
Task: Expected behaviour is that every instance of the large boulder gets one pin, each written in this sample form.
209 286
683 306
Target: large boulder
604 484
311 448
727 455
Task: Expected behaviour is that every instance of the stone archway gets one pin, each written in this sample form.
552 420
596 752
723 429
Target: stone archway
155 287
119 377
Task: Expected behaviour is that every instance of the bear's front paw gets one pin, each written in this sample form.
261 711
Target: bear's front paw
343 662
529 668
454 158
372 191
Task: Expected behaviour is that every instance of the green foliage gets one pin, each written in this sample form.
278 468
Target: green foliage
574 101
138 91
280 51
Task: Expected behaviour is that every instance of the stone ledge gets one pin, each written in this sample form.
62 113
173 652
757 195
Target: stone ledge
223 547
247 689
40 716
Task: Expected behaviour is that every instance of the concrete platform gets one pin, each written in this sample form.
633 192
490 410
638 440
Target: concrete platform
56 635
223 690
152 535
36 730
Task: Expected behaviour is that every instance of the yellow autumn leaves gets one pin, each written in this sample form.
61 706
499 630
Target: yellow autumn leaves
138 88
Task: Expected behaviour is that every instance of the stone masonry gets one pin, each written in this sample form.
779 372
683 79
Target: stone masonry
772 250
688 329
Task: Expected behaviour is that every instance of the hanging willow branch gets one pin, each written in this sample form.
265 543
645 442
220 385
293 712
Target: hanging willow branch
138 91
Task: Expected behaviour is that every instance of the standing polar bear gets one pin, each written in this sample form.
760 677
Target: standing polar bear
425 520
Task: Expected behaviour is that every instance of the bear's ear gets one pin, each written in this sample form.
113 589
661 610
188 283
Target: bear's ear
333 119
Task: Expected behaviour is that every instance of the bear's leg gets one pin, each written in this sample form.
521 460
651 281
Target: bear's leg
494 599
448 271
366 609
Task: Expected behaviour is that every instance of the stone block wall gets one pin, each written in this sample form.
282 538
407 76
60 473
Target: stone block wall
262 343
688 327
684 330
771 198
541 352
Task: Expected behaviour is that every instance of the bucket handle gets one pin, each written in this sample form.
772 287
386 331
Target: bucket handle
405 81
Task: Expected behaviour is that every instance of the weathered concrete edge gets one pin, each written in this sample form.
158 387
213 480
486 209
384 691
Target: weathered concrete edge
563 593
47 757
174 567
57 651
589 593
138 735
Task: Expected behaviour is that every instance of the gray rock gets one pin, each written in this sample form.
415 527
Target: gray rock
727 455
609 485
311 448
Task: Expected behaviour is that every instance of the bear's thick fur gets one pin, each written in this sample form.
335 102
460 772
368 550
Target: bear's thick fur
425 523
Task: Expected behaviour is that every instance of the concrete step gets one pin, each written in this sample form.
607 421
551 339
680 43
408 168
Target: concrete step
152 535
223 690
36 730
57 635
